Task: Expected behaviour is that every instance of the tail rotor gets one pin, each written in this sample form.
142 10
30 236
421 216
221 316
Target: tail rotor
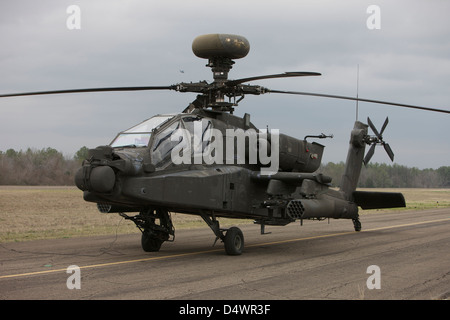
377 139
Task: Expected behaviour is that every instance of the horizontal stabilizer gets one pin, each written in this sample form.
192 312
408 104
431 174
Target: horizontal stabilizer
378 200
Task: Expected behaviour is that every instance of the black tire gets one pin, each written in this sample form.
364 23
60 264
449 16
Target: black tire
150 244
234 241
357 225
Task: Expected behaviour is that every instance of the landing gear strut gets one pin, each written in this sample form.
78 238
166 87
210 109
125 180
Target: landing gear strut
232 238
153 234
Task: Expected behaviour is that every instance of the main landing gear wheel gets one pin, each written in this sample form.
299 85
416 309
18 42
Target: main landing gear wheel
156 227
234 241
149 243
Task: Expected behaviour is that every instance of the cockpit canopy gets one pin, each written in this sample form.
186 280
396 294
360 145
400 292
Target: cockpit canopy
139 135
194 136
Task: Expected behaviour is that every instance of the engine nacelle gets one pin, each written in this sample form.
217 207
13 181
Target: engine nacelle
299 155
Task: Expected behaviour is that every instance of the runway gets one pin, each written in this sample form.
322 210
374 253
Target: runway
319 260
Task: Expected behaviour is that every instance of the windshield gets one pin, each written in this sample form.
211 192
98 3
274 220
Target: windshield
194 138
139 135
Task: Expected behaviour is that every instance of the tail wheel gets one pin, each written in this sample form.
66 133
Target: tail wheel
357 224
234 241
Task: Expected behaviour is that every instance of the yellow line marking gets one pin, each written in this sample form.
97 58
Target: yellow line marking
215 250
348 232
110 263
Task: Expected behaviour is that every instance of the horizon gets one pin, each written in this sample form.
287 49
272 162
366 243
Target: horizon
71 156
399 53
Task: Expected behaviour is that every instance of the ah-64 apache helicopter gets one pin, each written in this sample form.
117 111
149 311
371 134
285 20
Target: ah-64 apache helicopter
206 161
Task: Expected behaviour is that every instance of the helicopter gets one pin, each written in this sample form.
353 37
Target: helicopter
206 161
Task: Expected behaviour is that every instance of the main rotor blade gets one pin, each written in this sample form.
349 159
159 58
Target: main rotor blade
271 76
87 90
358 99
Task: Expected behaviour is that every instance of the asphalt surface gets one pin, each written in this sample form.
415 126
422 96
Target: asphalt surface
319 260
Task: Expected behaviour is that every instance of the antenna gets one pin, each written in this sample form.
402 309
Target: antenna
357 90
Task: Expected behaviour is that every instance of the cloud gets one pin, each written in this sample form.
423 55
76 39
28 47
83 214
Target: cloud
132 43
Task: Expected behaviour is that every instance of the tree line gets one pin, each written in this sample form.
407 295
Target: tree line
50 167
35 167
377 175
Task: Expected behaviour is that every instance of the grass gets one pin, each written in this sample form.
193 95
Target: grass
30 213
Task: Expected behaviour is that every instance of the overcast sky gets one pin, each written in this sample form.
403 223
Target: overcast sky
139 43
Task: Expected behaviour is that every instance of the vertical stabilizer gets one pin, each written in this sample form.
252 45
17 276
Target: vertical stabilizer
354 161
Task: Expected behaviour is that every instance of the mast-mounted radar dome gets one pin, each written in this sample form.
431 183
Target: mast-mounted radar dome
210 46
